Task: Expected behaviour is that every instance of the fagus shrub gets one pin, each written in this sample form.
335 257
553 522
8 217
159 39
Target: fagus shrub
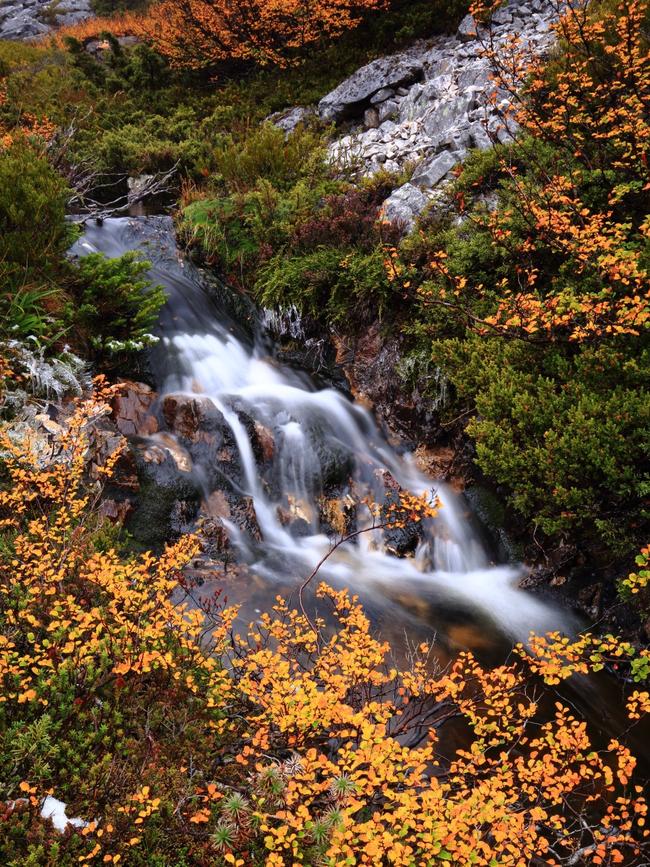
179 742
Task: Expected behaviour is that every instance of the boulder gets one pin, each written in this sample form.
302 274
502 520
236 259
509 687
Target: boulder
382 95
292 118
352 95
187 415
132 409
467 29
404 205
432 171
448 114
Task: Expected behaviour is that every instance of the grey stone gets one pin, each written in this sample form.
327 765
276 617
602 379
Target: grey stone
382 95
30 20
467 29
387 110
404 205
350 97
502 16
479 137
448 114
371 118
431 172
292 118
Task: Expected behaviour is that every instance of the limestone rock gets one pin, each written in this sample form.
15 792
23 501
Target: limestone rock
404 204
430 173
467 29
437 113
34 18
357 90
292 118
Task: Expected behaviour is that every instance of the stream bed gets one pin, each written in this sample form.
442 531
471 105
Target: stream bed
266 436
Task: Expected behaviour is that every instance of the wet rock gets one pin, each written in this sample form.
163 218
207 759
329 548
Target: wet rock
168 498
164 444
336 463
590 600
187 415
217 506
132 409
371 363
337 514
439 462
264 442
244 516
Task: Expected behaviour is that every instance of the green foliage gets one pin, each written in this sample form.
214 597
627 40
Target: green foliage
332 283
32 209
568 436
268 154
110 7
115 305
23 313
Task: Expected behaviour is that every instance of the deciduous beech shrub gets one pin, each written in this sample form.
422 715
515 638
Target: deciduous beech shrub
181 743
537 307
199 33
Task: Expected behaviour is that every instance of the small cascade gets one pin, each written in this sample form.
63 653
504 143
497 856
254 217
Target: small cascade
320 438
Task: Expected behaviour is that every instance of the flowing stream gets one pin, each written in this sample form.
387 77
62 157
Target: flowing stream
449 580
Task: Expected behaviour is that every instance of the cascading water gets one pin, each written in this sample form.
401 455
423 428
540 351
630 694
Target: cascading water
202 354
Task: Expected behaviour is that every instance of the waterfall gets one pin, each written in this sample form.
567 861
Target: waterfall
203 353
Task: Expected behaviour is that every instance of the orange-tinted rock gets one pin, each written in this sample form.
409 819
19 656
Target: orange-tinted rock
132 410
184 414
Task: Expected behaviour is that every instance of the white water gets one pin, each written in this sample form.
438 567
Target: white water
200 354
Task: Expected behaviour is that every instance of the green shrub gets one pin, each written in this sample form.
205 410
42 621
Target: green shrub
115 305
32 209
568 436
329 283
268 154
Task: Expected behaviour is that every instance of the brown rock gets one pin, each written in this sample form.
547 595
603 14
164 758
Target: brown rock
180 455
216 506
265 441
114 511
440 462
132 409
185 413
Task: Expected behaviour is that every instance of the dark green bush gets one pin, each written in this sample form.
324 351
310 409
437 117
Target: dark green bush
115 304
332 284
569 436
32 209
267 154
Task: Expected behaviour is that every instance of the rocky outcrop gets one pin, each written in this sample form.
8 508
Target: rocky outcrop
29 19
373 84
428 106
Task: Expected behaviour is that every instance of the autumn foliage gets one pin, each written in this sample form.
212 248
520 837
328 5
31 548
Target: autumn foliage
576 224
199 33
284 746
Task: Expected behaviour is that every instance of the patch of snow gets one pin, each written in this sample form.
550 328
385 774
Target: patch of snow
54 810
